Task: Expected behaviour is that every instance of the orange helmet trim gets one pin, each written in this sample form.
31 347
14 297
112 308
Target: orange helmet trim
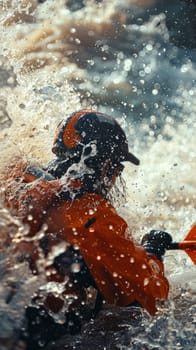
70 136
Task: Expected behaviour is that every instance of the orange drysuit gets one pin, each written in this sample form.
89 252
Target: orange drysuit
122 270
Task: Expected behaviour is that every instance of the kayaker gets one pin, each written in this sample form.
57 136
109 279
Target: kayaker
67 203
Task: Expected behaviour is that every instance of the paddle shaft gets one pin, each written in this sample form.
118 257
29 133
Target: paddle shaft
182 245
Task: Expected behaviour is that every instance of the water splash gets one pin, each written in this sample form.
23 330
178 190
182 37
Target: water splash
128 67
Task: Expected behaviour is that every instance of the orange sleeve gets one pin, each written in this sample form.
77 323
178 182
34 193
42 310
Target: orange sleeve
123 271
27 196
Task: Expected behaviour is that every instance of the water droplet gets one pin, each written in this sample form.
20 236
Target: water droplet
41 343
72 30
75 268
155 92
149 47
144 266
77 41
75 233
146 281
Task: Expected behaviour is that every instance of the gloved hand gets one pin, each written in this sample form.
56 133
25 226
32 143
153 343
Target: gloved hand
156 242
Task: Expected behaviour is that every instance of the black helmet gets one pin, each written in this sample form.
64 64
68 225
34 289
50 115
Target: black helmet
87 127
97 140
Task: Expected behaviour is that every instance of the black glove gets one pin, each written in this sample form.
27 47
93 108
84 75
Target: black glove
156 243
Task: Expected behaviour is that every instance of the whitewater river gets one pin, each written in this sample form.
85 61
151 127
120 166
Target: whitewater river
138 64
